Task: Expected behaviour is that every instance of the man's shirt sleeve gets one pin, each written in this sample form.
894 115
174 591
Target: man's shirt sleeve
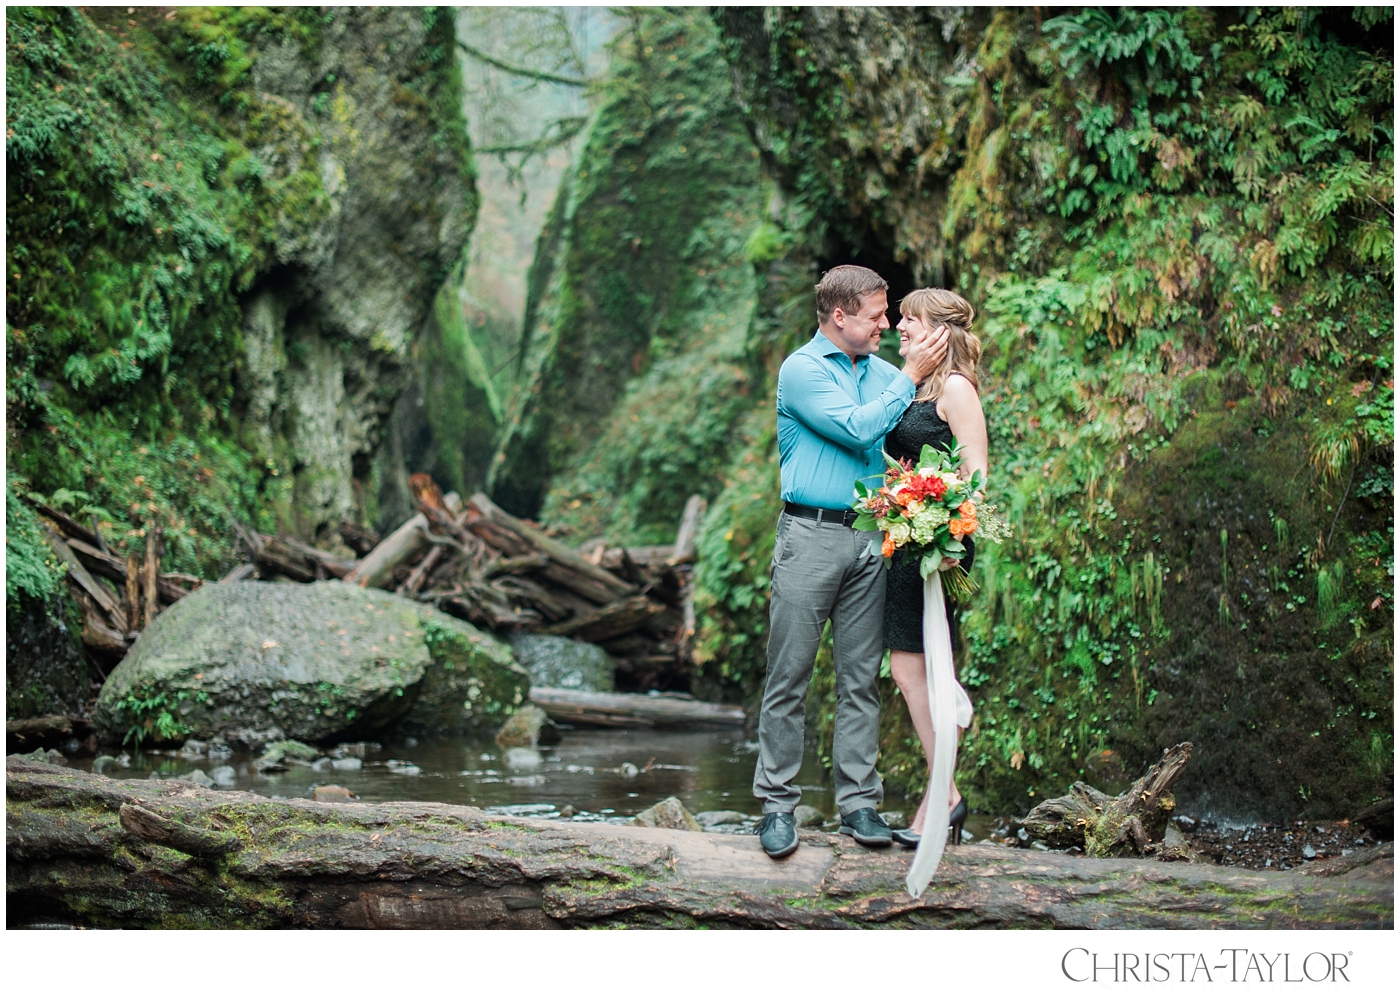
811 397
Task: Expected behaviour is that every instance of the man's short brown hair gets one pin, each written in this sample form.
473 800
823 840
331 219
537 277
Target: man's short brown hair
846 287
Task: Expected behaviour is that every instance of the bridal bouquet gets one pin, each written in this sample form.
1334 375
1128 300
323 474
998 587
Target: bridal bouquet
927 510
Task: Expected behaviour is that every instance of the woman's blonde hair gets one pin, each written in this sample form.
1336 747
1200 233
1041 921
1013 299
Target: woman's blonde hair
935 306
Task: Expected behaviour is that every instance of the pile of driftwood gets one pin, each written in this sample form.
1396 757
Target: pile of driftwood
471 559
118 594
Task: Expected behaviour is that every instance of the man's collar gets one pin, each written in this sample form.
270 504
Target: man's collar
826 348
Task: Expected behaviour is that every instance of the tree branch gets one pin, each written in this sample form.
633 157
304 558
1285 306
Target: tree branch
532 74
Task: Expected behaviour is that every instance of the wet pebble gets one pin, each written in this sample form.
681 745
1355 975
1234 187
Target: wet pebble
332 794
224 776
55 757
525 780
1309 852
712 818
350 764
806 816
399 766
628 771
198 778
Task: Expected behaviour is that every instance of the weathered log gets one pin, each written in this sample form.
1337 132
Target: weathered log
171 589
70 526
557 551
694 512
612 620
336 567
515 565
577 582
282 560
643 557
80 574
625 709
1379 819
415 578
1112 825
298 863
150 576
38 729
252 539
240 573
376 569
100 636
444 523
522 590
499 538
98 561
488 612
133 593
360 539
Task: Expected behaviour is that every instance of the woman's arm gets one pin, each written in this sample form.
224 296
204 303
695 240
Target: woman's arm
960 407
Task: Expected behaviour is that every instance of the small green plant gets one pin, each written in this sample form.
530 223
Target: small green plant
154 712
1330 581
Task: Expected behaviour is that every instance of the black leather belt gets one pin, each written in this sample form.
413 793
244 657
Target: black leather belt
843 516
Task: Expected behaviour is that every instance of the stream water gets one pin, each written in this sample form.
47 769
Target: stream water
600 775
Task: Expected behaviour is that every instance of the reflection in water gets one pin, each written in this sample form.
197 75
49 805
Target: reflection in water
614 773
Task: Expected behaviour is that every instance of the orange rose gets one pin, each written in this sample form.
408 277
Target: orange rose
969 527
955 527
968 509
887 548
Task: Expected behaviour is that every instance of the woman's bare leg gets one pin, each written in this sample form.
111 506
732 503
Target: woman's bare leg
908 671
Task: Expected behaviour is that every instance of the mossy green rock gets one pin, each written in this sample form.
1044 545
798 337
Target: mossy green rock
254 662
564 663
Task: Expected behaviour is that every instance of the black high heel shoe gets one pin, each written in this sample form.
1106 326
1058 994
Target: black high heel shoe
956 819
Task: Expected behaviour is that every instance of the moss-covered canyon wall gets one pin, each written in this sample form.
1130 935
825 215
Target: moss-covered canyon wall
225 229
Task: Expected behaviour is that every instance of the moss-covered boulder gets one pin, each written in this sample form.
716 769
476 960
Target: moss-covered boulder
253 662
564 663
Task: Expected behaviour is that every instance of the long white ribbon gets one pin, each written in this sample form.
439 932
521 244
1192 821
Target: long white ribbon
950 708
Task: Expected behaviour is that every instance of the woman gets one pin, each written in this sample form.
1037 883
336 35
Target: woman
945 407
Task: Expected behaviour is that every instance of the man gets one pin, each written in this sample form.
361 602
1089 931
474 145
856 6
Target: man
836 402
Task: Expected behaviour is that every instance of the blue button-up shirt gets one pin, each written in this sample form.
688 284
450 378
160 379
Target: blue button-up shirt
832 421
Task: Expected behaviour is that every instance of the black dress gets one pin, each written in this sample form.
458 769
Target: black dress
904 592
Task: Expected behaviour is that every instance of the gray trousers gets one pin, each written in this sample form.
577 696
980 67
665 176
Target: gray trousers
821 572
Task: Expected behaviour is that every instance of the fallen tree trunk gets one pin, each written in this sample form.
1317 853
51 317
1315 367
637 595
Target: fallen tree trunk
90 850
627 709
28 733
557 552
612 620
376 569
79 574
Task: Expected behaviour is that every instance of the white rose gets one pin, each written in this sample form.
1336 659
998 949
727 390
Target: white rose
899 533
